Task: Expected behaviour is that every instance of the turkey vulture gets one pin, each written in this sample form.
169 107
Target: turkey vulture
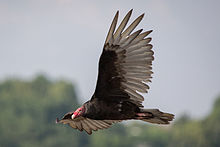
124 70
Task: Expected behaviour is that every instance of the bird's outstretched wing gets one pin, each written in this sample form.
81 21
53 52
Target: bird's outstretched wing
126 63
86 124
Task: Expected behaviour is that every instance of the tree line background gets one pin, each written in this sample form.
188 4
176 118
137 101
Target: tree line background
28 109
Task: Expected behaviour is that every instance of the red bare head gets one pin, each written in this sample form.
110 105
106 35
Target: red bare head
77 113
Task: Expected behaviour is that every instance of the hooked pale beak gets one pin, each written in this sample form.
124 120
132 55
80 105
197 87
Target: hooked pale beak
73 116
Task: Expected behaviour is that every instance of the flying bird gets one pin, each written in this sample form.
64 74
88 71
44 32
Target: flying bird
125 68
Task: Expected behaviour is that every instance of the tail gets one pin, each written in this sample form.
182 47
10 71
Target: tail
154 116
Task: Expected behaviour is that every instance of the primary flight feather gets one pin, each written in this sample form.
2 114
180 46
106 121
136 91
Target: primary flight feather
125 68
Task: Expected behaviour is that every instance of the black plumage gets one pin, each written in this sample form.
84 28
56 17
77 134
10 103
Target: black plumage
125 68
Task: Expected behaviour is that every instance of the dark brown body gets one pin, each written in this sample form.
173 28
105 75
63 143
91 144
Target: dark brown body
110 110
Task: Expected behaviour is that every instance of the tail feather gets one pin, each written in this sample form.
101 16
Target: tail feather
157 117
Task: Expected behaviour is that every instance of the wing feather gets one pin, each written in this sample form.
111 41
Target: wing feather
125 64
88 125
132 26
129 39
91 125
117 35
112 28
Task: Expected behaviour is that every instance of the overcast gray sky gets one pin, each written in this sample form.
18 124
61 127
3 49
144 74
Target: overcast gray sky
64 39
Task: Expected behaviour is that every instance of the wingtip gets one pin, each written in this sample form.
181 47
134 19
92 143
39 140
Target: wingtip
116 15
117 12
131 11
142 15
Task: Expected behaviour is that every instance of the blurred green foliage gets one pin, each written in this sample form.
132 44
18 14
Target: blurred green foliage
28 110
